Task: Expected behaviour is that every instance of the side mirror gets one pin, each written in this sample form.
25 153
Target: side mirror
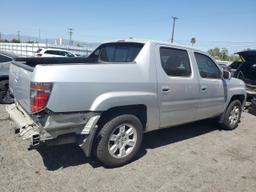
226 75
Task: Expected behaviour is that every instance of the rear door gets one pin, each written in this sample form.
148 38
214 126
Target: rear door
177 86
211 93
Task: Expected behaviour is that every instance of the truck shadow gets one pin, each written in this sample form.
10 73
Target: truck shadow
71 155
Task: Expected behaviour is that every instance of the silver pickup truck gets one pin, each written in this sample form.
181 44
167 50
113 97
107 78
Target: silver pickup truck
105 102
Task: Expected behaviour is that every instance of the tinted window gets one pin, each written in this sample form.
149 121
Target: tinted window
50 52
207 67
175 62
53 52
62 53
4 59
117 52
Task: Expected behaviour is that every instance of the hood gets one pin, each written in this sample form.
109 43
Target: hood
248 56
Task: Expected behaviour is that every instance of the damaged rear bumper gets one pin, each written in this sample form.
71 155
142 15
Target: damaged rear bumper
26 128
57 130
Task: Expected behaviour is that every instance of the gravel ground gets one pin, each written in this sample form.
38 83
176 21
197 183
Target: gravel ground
192 157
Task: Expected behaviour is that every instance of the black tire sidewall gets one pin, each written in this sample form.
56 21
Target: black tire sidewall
102 152
226 118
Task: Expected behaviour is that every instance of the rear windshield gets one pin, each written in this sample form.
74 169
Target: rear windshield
116 52
38 50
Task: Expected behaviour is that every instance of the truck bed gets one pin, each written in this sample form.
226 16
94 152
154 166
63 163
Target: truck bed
33 61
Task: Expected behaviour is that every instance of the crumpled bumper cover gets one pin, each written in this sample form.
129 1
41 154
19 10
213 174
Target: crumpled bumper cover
25 126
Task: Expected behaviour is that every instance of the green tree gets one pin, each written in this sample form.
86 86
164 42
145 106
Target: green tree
15 41
223 54
30 41
193 41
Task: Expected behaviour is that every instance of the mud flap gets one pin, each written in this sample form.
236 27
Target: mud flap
90 129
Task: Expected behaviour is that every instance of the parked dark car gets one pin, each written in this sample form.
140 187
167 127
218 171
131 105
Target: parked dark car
5 95
246 70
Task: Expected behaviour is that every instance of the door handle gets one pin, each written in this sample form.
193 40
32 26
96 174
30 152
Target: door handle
204 88
165 89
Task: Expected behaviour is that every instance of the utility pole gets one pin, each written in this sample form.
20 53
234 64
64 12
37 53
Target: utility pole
173 27
39 35
70 31
18 35
0 36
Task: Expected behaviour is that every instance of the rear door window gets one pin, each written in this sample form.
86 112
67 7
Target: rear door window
117 52
175 62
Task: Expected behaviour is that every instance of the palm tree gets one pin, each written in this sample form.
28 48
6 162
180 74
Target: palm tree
193 41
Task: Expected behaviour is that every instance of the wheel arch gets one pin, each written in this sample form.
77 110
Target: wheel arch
239 97
138 110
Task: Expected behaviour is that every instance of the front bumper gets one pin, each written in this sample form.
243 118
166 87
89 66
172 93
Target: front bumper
251 90
25 126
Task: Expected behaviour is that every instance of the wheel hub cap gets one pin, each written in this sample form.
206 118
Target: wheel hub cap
122 141
234 115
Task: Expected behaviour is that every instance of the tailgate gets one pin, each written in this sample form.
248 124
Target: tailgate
19 82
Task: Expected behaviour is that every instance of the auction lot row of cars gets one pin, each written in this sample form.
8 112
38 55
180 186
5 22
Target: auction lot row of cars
105 102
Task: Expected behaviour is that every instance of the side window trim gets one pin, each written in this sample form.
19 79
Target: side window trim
179 49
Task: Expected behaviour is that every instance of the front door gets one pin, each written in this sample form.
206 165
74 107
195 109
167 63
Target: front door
211 93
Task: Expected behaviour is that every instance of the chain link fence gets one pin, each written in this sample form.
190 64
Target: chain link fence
28 49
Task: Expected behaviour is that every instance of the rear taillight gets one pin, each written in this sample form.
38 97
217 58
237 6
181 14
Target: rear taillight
39 95
39 55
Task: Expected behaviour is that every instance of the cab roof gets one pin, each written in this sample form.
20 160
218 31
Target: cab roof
144 41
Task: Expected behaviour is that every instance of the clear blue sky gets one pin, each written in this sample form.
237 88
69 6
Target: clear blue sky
95 21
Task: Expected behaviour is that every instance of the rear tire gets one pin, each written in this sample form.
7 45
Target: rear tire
5 94
119 140
232 115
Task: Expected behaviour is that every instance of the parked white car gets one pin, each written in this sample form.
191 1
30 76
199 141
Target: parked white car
48 52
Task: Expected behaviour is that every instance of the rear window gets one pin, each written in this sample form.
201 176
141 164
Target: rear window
38 50
117 52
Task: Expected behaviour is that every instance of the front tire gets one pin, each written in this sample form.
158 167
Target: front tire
5 94
119 140
232 115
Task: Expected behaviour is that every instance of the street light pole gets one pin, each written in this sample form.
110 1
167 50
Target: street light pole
39 35
173 27
70 30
